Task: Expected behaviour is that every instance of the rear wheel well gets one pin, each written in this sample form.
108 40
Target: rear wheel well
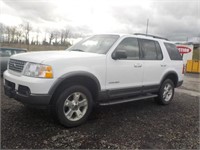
85 81
173 77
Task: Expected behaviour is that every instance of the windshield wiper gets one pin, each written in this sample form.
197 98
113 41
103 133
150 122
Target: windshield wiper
79 50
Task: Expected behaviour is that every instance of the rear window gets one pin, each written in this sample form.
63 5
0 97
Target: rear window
173 51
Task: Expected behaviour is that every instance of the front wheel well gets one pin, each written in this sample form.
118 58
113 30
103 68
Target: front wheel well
85 81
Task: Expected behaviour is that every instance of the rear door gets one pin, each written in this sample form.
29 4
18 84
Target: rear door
153 64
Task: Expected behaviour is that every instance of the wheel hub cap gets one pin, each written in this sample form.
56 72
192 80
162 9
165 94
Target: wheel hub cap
168 92
75 106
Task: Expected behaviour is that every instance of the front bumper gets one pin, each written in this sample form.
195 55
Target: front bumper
36 85
27 90
30 99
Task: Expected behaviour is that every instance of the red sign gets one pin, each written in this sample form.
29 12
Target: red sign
183 49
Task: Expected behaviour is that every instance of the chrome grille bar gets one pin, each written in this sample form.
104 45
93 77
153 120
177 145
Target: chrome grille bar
16 65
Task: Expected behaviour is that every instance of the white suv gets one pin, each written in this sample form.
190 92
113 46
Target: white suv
102 69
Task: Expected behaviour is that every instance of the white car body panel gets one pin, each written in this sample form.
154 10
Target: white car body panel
111 74
36 85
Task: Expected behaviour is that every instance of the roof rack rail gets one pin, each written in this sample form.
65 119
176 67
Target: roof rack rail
158 37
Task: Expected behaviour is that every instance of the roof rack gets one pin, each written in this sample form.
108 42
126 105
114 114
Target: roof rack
158 37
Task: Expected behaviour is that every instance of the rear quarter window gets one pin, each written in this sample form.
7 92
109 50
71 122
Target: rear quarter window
173 51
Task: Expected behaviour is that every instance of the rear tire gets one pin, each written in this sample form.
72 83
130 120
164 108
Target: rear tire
166 92
73 106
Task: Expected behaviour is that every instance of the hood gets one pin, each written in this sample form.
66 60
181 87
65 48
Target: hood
41 56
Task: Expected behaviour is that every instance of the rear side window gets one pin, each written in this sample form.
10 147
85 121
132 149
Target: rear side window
173 51
150 50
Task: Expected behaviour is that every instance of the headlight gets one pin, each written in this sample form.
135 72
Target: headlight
38 70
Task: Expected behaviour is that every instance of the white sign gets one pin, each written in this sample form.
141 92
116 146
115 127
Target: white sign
186 51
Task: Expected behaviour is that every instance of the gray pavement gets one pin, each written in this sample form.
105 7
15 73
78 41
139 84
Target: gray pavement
191 82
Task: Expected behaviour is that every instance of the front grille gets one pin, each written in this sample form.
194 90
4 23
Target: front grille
16 65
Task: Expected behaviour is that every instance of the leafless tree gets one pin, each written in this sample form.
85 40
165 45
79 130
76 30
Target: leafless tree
61 36
2 32
66 34
51 37
27 29
56 34
13 30
37 36
2 28
8 32
19 33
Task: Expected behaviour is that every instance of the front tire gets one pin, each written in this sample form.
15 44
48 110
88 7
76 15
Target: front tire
74 105
166 92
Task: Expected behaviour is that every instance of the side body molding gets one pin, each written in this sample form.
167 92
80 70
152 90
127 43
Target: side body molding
74 74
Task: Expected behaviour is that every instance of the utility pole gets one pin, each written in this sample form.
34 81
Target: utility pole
147 26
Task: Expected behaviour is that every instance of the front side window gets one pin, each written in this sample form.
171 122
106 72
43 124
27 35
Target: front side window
131 47
173 51
96 44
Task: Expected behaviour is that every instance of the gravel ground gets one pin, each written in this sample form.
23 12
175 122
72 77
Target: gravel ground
140 124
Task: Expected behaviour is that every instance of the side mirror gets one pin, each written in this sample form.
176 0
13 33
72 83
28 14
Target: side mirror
119 54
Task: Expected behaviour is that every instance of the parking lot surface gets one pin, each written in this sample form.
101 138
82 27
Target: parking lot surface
140 124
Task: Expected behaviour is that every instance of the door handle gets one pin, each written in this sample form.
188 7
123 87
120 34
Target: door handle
163 65
137 65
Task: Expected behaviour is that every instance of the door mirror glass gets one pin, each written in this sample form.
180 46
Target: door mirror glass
128 49
119 54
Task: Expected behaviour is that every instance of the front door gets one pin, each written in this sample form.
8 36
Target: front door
125 75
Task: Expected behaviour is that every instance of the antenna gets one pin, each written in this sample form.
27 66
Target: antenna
147 26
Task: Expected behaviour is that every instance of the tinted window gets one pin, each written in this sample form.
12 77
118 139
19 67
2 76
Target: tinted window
18 51
173 51
159 51
149 51
96 44
5 53
130 46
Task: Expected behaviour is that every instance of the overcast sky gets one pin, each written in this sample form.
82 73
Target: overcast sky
174 19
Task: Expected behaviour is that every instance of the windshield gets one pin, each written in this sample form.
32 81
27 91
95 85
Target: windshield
96 44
